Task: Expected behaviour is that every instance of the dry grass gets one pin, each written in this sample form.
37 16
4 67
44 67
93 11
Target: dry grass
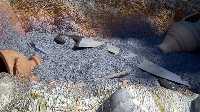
8 16
92 18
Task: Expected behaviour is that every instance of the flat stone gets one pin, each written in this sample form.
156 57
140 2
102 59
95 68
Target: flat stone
161 72
89 43
121 102
113 49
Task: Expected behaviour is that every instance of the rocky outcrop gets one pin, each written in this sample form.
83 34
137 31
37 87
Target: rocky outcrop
12 92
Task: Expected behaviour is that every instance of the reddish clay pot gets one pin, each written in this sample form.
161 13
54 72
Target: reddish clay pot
17 64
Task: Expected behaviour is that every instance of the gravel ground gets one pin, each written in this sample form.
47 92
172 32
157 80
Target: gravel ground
69 77
61 62
67 64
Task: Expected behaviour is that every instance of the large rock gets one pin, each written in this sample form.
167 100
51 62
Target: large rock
7 89
12 93
147 99
122 102
130 100
126 100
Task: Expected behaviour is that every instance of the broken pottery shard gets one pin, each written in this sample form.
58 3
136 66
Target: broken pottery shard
118 75
161 72
113 49
75 37
16 63
89 43
7 91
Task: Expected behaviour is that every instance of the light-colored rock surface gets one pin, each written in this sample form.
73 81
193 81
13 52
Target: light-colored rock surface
89 43
13 94
7 89
70 97
133 101
73 98
143 99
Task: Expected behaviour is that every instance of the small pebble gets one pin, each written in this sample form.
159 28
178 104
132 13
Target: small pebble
113 49
60 39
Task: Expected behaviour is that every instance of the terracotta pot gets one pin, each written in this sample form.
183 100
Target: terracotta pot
182 37
17 64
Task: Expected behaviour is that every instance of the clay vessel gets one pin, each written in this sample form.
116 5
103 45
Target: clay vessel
182 37
17 64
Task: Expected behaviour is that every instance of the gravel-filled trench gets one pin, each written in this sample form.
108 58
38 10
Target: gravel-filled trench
81 74
76 80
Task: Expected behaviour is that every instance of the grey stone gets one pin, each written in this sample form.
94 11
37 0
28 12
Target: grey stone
88 42
60 39
121 102
195 105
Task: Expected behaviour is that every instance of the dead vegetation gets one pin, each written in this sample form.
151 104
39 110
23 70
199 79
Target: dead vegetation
90 18
100 16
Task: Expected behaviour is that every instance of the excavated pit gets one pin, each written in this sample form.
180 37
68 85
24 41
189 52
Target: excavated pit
132 29
75 74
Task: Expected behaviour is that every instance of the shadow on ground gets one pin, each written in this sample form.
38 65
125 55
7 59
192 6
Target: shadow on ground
184 64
